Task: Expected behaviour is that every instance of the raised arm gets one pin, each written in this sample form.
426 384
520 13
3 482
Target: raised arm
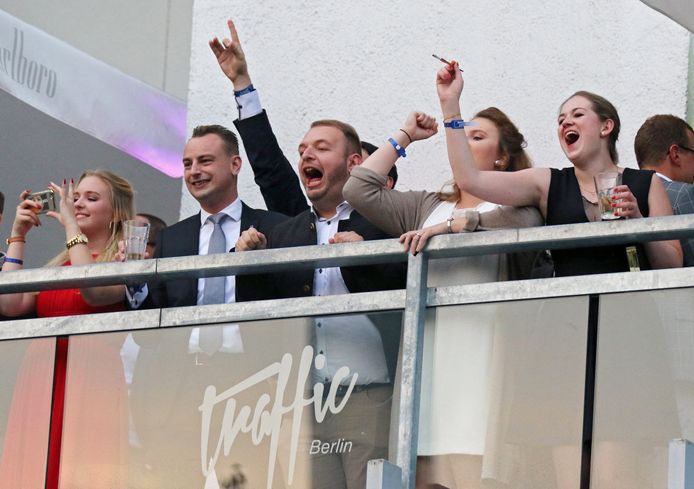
272 171
231 58
522 188
418 126
391 211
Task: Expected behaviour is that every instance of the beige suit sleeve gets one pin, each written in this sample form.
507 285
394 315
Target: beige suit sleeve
392 211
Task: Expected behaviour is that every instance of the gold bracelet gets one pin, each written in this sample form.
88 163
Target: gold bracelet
75 240
449 221
15 239
454 116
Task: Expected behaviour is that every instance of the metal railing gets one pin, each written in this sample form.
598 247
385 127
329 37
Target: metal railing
413 300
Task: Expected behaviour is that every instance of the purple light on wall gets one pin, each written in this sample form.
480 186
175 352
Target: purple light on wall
164 160
96 98
161 144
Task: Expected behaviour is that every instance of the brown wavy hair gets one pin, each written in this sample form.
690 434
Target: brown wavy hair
511 144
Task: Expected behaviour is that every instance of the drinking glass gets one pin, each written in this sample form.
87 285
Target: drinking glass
135 235
605 183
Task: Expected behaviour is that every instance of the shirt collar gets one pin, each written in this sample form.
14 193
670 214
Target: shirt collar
233 210
342 211
664 177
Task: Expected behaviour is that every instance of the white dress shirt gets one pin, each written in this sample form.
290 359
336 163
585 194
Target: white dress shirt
249 104
351 341
231 338
232 231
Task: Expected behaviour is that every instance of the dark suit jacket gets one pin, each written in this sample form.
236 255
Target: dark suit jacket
182 239
267 160
275 176
163 357
301 231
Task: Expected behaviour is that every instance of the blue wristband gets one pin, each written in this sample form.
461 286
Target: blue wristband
14 260
250 88
457 124
398 149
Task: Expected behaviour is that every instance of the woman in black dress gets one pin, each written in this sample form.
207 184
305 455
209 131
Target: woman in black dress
588 127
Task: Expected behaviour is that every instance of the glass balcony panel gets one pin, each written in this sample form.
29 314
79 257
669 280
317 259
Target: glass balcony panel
644 386
152 410
502 394
26 379
95 425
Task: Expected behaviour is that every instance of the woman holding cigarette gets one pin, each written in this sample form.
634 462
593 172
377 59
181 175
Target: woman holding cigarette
457 349
95 420
498 147
542 405
588 127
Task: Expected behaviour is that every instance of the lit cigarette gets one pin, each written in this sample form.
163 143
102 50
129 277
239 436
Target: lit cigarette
446 62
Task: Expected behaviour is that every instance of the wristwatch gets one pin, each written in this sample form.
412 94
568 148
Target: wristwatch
75 240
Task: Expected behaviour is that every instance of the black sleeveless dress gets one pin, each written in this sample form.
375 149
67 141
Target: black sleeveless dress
635 393
565 206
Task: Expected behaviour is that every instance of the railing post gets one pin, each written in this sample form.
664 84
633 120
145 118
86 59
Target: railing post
680 465
411 371
381 474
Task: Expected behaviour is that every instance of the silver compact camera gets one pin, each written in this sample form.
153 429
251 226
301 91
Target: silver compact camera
46 198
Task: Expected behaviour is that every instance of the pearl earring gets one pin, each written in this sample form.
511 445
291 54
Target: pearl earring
497 163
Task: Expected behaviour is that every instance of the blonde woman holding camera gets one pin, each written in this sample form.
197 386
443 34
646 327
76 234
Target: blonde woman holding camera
94 420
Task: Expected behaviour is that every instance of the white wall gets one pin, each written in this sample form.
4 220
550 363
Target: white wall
369 63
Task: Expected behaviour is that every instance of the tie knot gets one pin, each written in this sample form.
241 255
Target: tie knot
217 218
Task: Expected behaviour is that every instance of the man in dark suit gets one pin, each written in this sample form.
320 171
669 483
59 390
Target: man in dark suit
175 366
211 164
366 345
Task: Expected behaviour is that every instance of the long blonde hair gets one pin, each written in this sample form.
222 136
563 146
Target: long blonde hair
123 204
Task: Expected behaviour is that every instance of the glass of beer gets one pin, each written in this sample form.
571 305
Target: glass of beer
135 235
605 183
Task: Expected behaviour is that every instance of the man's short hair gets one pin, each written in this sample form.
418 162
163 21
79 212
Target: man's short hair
370 149
656 135
2 202
352 143
231 141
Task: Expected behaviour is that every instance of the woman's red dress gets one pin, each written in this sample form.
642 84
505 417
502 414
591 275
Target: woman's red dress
95 421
